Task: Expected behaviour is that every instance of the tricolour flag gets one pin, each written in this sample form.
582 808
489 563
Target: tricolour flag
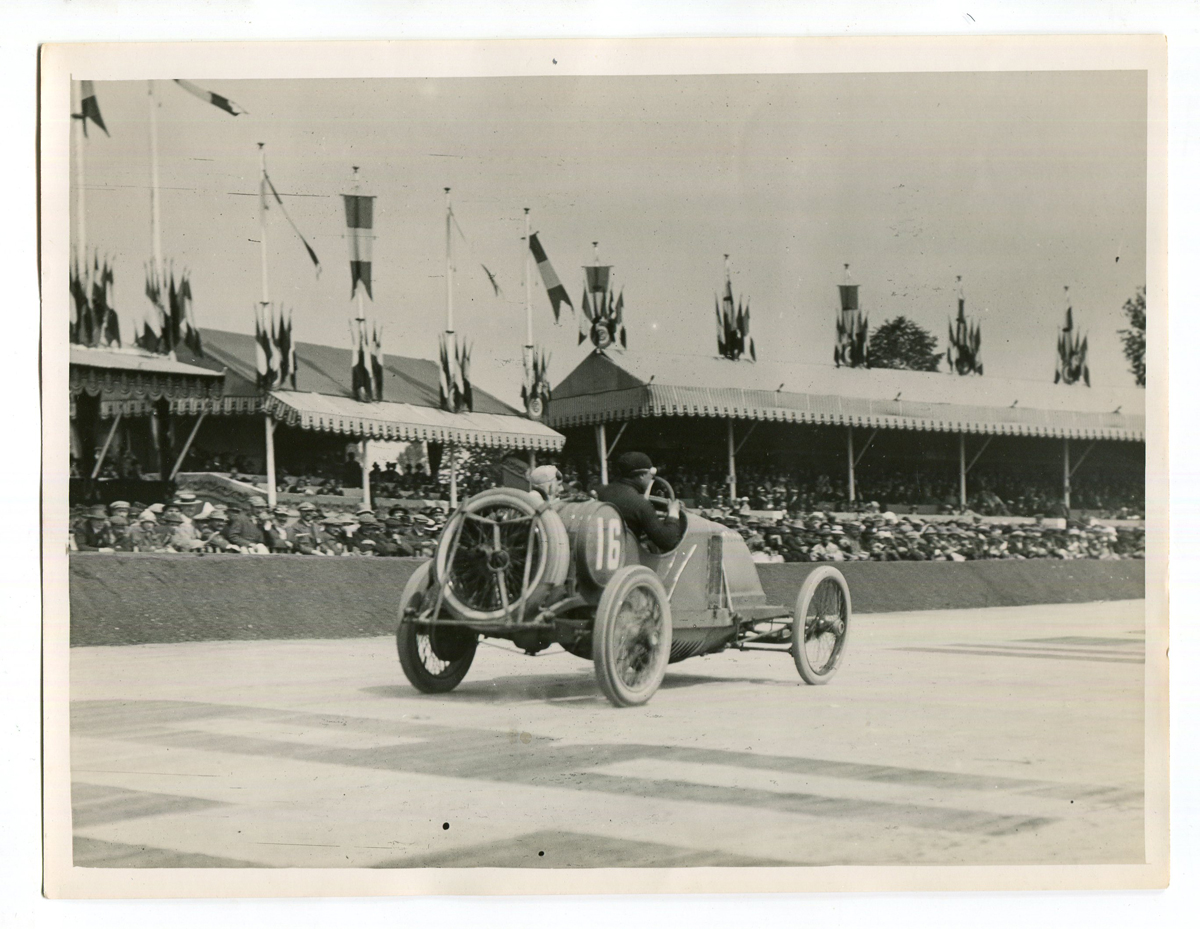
221 103
267 185
359 221
377 361
554 288
89 107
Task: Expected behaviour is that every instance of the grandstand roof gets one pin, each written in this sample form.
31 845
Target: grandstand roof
411 410
630 385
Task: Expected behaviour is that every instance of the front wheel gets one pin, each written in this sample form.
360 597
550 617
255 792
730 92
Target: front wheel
820 624
631 639
435 659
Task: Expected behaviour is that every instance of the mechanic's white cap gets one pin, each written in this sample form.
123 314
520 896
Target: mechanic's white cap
544 474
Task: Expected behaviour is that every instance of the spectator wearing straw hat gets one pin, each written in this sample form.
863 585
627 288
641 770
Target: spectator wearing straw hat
92 534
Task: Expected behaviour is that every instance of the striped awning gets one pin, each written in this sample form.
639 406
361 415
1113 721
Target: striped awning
132 382
604 389
408 422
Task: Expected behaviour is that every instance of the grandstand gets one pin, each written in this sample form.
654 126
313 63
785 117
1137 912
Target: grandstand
803 417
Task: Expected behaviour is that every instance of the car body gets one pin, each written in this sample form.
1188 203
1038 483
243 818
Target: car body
511 566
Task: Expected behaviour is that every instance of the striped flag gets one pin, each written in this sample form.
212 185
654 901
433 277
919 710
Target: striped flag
221 103
359 221
89 107
267 185
377 361
554 288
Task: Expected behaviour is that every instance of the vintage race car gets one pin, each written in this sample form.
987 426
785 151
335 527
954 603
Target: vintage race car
512 567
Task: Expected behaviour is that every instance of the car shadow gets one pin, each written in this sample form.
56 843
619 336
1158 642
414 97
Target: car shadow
580 688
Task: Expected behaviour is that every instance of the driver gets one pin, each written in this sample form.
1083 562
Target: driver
628 495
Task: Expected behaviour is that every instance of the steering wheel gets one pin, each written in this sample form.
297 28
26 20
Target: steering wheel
660 502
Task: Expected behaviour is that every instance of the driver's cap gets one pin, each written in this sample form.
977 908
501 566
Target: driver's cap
631 462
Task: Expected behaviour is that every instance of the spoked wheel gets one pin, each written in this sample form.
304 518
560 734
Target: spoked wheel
435 659
631 640
820 624
499 551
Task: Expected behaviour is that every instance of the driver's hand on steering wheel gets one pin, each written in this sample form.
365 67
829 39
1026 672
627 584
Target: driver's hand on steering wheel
673 509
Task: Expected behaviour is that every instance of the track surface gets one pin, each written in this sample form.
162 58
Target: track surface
1011 735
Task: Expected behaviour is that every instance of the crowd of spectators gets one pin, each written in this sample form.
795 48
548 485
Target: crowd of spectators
189 525
888 537
993 492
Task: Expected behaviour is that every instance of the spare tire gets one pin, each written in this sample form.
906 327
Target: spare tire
491 565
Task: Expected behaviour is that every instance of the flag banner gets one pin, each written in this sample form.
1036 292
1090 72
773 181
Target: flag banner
360 212
554 288
851 348
491 280
221 103
261 368
1072 366
94 321
607 316
535 393
377 362
360 372
962 354
291 352
89 107
454 386
733 328
597 277
312 255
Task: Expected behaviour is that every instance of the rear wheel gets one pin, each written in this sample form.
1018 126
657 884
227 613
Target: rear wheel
631 639
820 624
435 659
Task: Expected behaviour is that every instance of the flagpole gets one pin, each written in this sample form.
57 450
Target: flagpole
269 423
80 209
449 270
155 196
451 347
528 352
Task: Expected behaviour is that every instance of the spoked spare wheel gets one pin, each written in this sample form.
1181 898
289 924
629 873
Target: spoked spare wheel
435 659
631 640
499 555
820 624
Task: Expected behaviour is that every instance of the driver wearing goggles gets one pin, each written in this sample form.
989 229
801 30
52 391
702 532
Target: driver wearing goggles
628 494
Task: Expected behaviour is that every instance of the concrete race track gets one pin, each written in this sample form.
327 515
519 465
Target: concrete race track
1010 735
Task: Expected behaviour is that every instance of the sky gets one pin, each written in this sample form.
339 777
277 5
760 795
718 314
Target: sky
1020 182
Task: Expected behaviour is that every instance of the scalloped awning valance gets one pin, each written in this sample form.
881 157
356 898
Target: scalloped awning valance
409 422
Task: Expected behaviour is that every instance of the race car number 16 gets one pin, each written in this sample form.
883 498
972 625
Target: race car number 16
608 551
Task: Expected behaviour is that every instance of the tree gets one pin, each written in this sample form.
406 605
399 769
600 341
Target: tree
1134 338
901 343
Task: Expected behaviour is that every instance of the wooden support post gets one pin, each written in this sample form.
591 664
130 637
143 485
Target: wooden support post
732 461
269 427
366 474
850 462
104 449
1067 473
187 446
962 470
602 452
453 477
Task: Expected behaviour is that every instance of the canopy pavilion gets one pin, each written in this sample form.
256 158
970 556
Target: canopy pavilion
322 412
129 399
789 413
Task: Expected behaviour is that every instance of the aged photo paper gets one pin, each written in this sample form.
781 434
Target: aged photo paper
309 304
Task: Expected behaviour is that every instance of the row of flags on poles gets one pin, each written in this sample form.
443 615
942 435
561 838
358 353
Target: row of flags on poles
170 320
274 348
